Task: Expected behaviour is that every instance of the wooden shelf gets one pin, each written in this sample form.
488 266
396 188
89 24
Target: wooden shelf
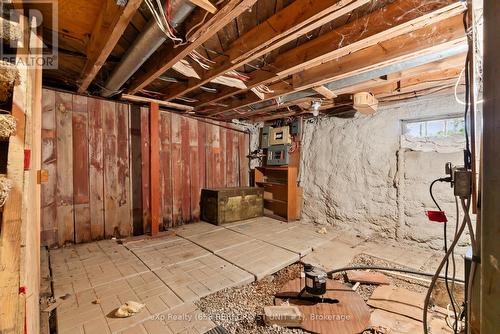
267 183
272 200
282 169
282 190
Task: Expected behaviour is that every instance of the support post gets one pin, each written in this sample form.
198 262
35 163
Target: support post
490 176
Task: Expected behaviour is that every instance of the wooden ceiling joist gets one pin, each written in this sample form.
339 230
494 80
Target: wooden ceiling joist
398 18
439 72
295 20
430 39
112 22
165 60
322 90
422 41
147 100
206 5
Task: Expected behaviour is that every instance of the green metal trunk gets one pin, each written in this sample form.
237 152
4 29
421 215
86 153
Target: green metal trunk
226 205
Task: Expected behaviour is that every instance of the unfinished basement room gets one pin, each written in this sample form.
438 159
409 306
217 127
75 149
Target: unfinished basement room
250 166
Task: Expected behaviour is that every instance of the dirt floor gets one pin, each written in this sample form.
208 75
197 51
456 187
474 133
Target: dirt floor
239 310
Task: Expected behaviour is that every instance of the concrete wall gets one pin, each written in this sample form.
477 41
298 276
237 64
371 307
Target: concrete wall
361 174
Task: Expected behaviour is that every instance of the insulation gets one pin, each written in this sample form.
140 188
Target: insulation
8 125
9 77
10 31
5 187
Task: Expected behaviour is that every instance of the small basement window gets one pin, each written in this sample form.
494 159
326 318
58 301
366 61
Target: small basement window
434 128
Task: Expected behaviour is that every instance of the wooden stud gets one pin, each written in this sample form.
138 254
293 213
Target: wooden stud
177 170
154 123
49 235
146 170
96 168
166 168
81 196
195 169
123 170
64 194
185 170
243 152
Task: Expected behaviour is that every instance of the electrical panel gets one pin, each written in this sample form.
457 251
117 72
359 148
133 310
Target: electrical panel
264 138
277 155
280 136
296 127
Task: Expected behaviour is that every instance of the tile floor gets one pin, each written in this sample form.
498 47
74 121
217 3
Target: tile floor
169 273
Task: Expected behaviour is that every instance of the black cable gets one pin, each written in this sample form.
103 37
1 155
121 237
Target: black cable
406 271
467 154
447 266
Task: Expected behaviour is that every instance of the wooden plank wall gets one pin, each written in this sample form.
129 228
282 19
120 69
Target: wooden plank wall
85 148
191 158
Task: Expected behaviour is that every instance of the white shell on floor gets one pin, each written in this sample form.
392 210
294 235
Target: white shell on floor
129 309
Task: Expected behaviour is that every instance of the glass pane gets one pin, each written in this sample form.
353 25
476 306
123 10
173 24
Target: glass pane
436 128
455 126
413 129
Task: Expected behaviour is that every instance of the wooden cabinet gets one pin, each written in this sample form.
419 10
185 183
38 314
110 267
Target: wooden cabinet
226 205
280 190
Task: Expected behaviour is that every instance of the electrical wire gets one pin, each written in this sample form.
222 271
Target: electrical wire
445 235
406 271
442 264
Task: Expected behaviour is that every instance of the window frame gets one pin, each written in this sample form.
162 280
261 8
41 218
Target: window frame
425 120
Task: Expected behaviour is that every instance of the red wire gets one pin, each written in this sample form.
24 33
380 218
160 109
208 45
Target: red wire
168 9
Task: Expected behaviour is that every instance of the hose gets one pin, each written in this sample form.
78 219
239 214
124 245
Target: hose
406 271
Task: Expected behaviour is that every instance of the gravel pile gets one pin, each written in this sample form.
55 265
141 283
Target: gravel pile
239 310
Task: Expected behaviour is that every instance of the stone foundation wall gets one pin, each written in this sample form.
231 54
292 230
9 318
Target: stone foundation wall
363 175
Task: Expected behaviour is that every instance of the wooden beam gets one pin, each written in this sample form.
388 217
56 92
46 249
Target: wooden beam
431 73
206 5
163 61
490 175
435 38
112 22
295 20
12 309
135 98
322 90
154 123
396 19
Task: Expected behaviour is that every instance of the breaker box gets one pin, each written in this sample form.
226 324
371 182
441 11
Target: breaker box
296 127
264 138
280 136
277 155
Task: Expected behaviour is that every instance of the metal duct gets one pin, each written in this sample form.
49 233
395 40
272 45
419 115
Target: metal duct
150 39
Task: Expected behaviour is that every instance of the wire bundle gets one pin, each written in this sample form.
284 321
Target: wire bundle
264 89
236 75
203 61
163 18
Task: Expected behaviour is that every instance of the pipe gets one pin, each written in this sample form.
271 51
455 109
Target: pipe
150 39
